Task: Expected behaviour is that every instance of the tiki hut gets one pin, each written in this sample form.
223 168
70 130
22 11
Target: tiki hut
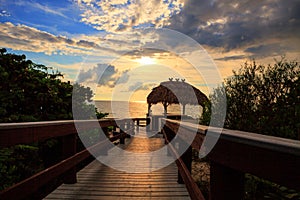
175 92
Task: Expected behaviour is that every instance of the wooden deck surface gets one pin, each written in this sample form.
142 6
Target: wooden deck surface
97 181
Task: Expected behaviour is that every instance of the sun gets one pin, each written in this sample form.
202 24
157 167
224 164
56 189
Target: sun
145 60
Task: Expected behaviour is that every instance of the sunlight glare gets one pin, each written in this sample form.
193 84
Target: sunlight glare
145 60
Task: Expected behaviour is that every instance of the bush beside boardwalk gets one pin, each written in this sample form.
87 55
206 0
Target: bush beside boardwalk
265 100
262 99
29 92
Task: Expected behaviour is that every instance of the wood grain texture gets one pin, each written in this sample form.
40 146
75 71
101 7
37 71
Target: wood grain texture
97 181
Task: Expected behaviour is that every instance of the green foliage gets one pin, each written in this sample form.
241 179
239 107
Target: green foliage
100 115
29 92
18 163
262 99
206 113
266 100
257 188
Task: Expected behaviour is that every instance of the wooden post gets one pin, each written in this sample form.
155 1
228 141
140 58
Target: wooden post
69 149
148 120
187 159
129 129
105 131
137 125
104 152
169 137
122 139
225 183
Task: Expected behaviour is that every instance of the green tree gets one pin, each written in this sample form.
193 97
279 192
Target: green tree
29 92
262 99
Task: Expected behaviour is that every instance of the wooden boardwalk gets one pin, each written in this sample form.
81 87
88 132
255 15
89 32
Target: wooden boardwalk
97 181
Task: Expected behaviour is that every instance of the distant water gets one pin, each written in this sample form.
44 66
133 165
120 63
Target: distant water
123 109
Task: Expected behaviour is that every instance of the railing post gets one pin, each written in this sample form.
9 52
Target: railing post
137 125
105 130
69 149
104 152
122 139
168 137
148 121
129 130
225 183
187 159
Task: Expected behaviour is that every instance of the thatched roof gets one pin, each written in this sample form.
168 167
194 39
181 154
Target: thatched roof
176 92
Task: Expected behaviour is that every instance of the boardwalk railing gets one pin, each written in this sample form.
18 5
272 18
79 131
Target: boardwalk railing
236 153
27 133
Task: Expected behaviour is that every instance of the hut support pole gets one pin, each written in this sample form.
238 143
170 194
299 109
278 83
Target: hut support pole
149 110
165 108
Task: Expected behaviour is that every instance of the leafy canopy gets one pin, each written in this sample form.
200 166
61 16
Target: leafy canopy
29 92
262 99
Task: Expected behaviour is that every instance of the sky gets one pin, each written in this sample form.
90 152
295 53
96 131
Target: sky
123 48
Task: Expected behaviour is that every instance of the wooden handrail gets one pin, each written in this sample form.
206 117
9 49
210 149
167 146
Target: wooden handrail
24 133
29 132
194 192
238 152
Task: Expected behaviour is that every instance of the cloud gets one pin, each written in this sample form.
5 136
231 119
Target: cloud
4 13
22 37
119 15
239 24
45 8
266 49
26 38
103 75
236 57
138 86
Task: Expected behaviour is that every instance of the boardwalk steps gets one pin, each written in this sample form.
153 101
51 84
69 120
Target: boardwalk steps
97 181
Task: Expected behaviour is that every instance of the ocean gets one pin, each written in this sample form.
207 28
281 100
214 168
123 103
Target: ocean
124 109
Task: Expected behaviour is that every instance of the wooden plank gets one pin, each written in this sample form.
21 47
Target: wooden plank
97 181
273 158
33 183
91 196
30 132
187 129
130 185
192 187
273 165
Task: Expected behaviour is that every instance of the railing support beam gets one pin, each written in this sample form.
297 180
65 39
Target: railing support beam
68 150
187 159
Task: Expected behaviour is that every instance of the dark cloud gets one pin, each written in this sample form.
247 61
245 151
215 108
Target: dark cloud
139 86
123 78
87 44
103 75
135 54
135 86
231 58
235 24
265 50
